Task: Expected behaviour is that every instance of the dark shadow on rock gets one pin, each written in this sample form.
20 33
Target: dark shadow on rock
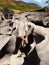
40 23
38 38
7 13
48 24
41 10
32 58
18 44
3 51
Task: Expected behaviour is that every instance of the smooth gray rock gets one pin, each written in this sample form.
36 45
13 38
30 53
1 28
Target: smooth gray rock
11 44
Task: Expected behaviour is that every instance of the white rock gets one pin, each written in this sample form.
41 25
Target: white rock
15 60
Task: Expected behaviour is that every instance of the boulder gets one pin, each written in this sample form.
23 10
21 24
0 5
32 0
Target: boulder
46 21
17 59
3 44
11 44
39 18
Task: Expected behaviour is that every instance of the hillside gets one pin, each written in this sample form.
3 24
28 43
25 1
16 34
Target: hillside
18 5
7 2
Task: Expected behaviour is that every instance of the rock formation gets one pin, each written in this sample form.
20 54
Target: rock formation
22 24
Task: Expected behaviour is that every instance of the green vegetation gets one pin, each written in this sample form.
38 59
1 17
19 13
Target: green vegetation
18 5
46 8
47 1
22 6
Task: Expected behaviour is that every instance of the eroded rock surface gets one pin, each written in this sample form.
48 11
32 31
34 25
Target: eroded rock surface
20 25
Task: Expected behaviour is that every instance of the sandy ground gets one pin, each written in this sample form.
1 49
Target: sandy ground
16 11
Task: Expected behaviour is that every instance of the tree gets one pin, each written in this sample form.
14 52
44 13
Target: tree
47 1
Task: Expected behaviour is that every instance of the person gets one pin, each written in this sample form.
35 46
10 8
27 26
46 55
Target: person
21 31
27 41
25 38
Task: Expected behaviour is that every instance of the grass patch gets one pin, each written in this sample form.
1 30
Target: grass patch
19 7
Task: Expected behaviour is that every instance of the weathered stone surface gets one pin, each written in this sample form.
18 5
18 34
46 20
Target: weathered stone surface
17 59
46 21
18 26
5 60
3 44
3 40
35 17
11 44
43 47
39 18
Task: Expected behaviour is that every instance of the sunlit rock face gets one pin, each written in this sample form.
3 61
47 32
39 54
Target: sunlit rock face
19 25
39 18
17 59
